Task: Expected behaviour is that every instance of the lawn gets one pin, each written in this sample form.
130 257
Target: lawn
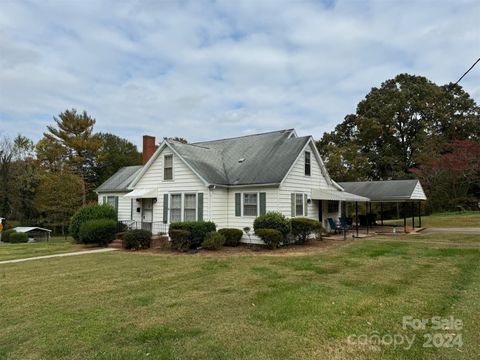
56 245
141 305
445 220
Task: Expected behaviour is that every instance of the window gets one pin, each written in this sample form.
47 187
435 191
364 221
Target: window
307 163
168 167
190 207
332 206
298 204
250 204
175 208
113 202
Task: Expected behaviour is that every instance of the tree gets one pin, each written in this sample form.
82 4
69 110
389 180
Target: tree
179 139
115 153
6 155
397 125
72 139
58 196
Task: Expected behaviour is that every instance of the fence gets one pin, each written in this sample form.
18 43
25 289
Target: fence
156 227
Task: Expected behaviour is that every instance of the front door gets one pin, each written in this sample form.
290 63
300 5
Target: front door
147 214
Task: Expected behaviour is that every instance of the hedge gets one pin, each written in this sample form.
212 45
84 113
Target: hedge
180 239
18 237
198 230
232 236
90 212
137 239
302 228
101 231
271 237
6 235
213 241
272 220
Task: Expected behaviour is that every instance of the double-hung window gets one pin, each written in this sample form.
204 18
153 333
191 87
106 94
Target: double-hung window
190 207
250 205
175 208
308 167
168 167
299 205
113 202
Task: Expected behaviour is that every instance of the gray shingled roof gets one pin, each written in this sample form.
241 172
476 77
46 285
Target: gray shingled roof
389 190
119 181
253 159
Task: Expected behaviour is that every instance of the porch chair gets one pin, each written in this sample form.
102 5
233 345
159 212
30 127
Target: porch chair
333 225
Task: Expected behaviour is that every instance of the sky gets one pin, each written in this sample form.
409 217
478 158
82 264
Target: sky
214 69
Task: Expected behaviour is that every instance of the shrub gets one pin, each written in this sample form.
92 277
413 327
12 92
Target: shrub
271 237
101 231
90 212
18 237
302 228
197 229
213 241
180 239
137 239
272 220
232 236
6 235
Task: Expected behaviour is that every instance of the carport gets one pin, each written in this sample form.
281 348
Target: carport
407 192
32 230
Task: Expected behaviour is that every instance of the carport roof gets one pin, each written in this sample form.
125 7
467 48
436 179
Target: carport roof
386 191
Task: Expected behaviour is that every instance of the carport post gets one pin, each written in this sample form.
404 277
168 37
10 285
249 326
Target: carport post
413 215
419 214
381 212
366 214
356 216
404 217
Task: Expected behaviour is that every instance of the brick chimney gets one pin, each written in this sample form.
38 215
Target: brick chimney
149 147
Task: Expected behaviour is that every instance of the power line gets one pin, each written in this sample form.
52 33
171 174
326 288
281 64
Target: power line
466 72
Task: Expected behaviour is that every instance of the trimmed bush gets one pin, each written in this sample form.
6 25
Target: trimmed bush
180 239
213 241
90 212
197 229
101 231
302 228
137 239
18 237
6 235
272 220
232 236
271 237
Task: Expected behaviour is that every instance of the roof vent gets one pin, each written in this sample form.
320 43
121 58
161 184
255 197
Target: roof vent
241 160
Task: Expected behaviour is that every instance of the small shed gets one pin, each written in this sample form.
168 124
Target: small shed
398 191
30 230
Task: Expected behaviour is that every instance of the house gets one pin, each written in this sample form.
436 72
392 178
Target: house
227 181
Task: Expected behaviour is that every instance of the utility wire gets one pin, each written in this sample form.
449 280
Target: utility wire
466 72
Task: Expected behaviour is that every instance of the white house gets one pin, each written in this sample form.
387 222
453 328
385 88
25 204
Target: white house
228 181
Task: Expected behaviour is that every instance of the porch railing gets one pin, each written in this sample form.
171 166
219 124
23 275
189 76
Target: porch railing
156 227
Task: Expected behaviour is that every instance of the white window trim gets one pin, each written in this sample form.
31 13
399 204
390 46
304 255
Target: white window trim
173 167
258 203
182 204
305 163
303 202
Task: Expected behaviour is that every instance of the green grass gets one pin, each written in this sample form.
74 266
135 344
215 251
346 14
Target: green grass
139 305
56 245
446 220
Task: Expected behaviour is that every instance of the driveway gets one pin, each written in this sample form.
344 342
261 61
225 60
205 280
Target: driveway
465 231
57 255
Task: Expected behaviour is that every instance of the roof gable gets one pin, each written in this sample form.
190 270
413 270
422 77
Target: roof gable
388 190
120 181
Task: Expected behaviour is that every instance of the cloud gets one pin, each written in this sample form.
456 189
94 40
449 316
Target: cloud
203 70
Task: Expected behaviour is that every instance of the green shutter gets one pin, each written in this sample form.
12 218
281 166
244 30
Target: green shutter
165 208
200 206
116 204
263 203
104 200
305 204
238 204
293 204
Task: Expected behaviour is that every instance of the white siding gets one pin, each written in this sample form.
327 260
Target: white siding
184 180
297 181
124 205
218 203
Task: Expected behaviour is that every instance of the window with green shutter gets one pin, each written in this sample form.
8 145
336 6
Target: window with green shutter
238 204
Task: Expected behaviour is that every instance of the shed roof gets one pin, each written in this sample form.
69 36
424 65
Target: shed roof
119 181
26 229
386 191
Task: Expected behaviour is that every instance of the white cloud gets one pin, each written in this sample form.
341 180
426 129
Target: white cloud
203 70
